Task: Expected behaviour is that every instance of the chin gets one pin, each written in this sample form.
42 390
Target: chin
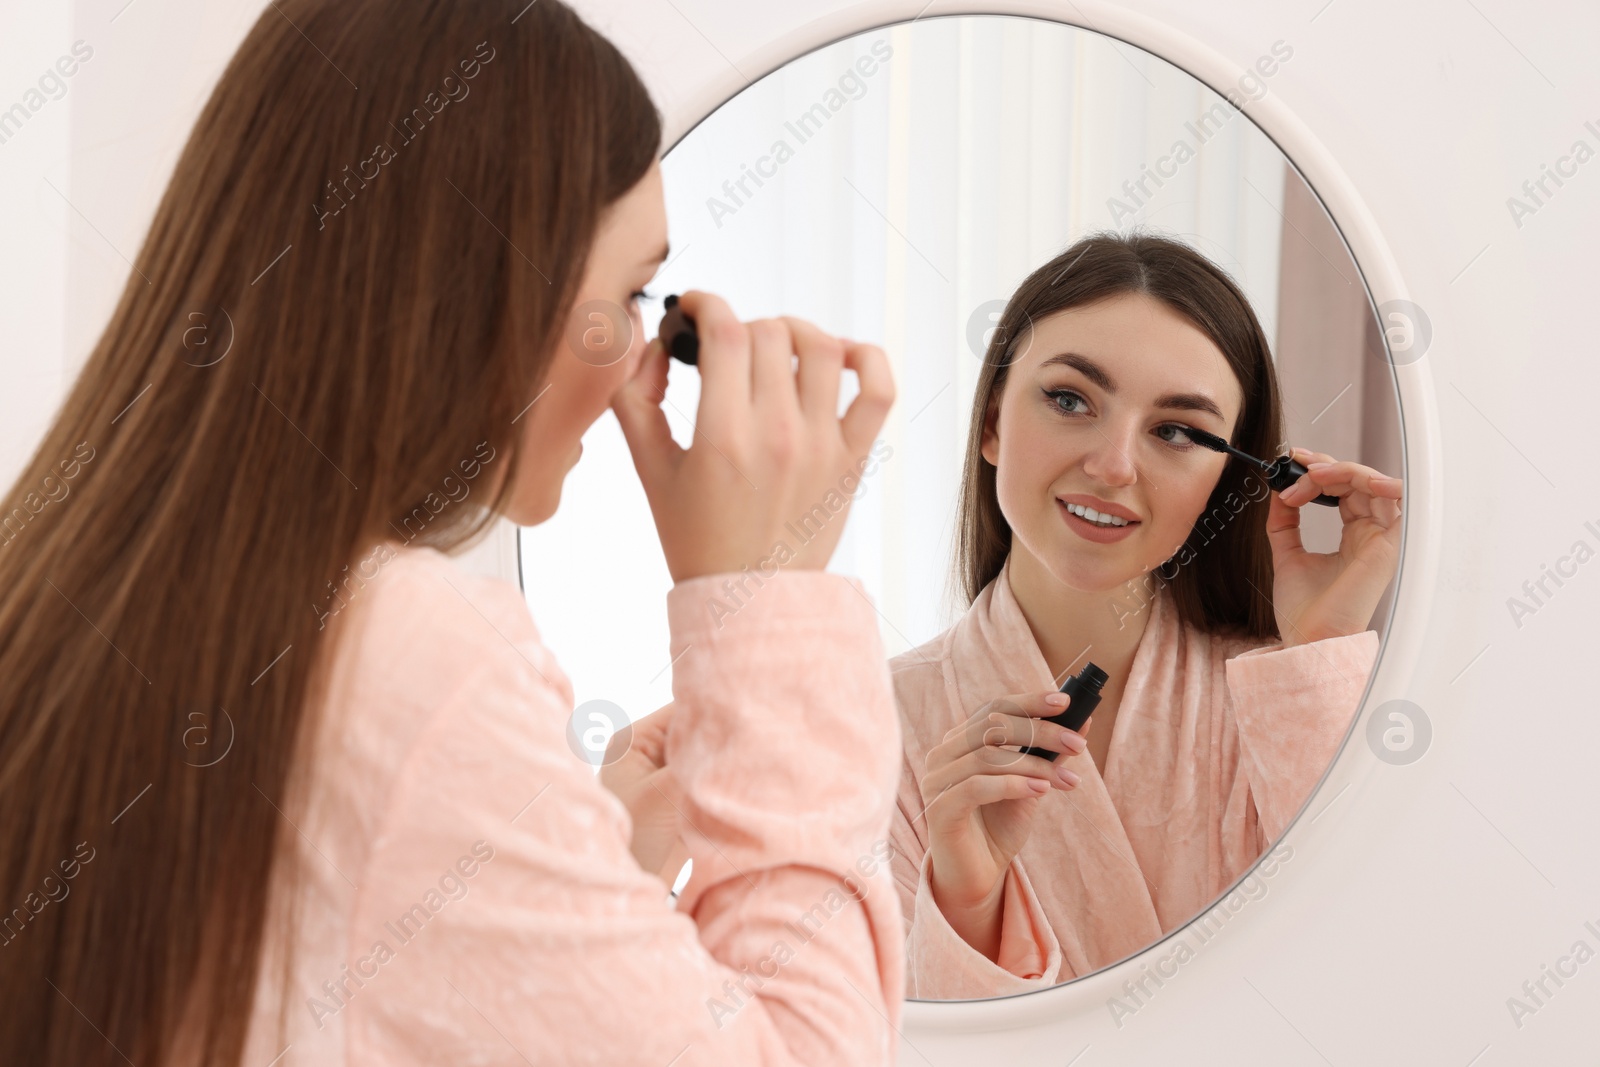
544 514
1097 579
524 513
1105 575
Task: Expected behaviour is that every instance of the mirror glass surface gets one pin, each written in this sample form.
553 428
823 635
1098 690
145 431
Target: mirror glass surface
897 187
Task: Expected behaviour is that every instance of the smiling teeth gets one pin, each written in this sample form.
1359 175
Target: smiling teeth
1096 517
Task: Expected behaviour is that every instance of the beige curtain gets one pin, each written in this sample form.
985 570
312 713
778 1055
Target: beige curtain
1338 387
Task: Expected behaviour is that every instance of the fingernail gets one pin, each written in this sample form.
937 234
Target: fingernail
1058 700
1316 466
1067 776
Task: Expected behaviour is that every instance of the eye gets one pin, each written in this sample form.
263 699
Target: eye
1180 441
638 295
1055 397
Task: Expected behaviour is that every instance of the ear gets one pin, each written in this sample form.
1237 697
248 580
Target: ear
989 446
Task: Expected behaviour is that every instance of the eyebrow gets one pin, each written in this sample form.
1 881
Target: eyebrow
661 256
1093 371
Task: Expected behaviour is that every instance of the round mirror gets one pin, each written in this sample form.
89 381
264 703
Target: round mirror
1074 254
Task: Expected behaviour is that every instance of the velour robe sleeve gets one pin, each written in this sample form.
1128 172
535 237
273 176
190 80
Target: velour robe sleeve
785 947
1292 707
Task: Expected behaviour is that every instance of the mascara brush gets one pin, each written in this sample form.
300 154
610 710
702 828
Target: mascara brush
1281 473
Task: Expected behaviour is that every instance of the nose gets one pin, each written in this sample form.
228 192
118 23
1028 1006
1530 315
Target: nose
1110 457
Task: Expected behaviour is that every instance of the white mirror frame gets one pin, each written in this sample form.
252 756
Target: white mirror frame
932 1028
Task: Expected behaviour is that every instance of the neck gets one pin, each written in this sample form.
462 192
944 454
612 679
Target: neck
1073 627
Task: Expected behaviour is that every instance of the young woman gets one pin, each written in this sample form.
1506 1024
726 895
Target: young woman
1093 529
283 784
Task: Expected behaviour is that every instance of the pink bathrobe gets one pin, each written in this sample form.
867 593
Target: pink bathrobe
469 896
1215 747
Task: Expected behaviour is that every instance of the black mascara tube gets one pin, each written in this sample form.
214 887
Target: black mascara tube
1083 689
677 333
1284 471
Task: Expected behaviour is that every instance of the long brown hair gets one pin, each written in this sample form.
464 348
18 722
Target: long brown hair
353 284
1221 578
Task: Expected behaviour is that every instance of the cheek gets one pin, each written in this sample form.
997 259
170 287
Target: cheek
581 387
626 367
599 336
1028 463
1184 501
592 382
1035 447
559 406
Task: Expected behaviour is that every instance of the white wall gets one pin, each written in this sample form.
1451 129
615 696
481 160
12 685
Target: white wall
40 228
1421 897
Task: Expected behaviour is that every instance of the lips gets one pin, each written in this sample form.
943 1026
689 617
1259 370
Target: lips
1099 518
1091 531
1082 502
1098 521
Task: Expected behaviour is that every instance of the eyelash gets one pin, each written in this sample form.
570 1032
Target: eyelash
1054 396
640 294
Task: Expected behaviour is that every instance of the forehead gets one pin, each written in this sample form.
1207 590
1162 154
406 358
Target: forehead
1146 347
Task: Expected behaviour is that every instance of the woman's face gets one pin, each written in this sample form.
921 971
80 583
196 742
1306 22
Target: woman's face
599 351
1123 371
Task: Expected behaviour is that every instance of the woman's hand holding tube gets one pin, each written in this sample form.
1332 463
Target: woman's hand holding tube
768 447
1333 594
980 798
640 778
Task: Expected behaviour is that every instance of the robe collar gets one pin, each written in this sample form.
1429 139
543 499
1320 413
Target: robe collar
993 651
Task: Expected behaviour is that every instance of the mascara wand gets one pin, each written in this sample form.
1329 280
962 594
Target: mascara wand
1281 473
